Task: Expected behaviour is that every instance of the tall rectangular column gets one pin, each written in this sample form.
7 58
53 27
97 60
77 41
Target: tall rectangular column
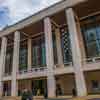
82 45
2 62
29 54
15 63
76 53
59 50
51 85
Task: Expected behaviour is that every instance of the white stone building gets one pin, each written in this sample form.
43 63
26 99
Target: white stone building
56 47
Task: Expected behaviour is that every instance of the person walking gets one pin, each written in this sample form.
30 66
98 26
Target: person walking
74 92
45 93
27 95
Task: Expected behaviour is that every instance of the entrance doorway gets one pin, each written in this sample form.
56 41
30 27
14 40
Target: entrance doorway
92 82
36 86
39 86
65 84
7 88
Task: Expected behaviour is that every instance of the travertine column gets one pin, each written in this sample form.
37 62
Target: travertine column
58 44
29 54
76 53
2 62
49 57
82 45
15 63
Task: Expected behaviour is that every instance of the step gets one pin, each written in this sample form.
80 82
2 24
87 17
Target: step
58 99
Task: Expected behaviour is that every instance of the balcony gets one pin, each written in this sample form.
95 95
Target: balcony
63 68
7 76
33 70
32 73
41 71
90 64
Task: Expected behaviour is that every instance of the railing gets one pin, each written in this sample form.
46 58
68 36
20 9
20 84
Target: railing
91 60
7 74
64 65
40 69
68 64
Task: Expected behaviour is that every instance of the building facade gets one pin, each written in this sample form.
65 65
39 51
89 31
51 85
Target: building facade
57 48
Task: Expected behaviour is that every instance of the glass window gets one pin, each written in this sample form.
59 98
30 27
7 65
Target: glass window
9 56
95 85
36 55
66 46
92 39
43 55
39 87
38 52
23 59
54 48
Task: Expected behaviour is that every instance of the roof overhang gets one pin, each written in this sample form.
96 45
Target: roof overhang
40 15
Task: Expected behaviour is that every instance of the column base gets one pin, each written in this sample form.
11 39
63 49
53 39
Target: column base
80 84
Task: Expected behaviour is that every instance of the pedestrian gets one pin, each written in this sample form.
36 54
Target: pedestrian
33 91
74 92
38 92
30 96
45 93
24 95
59 90
27 95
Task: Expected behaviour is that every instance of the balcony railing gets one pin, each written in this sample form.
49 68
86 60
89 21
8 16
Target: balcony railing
7 74
40 69
68 64
91 60
64 65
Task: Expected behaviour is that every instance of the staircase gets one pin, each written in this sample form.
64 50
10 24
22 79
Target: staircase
58 99
19 98
35 98
10 98
91 97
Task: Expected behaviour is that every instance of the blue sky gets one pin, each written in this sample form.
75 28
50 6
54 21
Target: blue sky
4 17
11 11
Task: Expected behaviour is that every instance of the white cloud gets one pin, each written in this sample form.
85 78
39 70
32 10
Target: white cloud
20 9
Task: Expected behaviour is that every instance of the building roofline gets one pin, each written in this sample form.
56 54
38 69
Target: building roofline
64 4
33 15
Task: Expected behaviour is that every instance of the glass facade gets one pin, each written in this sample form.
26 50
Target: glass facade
38 52
39 87
54 48
7 88
23 57
9 59
43 54
66 46
91 32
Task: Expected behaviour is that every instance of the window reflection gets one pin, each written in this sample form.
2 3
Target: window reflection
23 56
54 48
8 64
38 52
66 46
91 32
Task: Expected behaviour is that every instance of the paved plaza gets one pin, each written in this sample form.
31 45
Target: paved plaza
94 99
